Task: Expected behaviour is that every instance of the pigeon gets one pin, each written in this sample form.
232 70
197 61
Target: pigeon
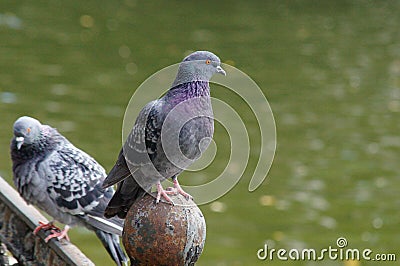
63 181
169 134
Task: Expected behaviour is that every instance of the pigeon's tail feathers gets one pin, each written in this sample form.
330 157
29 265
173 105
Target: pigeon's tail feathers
111 243
112 226
128 191
119 172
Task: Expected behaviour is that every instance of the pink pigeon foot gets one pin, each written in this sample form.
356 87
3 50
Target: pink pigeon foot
180 190
58 234
164 193
45 226
177 189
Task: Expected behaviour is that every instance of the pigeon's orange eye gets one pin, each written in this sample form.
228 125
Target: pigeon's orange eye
208 61
28 130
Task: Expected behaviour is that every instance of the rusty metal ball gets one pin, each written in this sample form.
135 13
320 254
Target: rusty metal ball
164 234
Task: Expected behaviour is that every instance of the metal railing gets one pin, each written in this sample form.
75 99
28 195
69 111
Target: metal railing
17 222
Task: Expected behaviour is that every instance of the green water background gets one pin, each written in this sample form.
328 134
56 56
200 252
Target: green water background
331 73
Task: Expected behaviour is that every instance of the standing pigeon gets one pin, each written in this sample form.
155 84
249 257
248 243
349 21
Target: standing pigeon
169 134
63 181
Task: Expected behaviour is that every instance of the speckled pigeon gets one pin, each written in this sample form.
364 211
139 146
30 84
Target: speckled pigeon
63 181
169 134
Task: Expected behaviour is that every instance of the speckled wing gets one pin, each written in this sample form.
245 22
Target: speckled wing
73 180
135 158
140 146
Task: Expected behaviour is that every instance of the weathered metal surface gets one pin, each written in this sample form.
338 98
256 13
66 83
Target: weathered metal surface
17 222
163 234
3 255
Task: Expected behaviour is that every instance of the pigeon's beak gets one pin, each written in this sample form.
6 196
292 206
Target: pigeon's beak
221 71
20 141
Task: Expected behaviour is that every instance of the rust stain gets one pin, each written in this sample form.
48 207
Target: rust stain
163 234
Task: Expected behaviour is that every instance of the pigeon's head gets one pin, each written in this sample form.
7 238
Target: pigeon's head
26 130
200 65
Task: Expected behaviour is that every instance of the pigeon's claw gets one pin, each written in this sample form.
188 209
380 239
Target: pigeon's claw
164 193
45 226
179 190
58 234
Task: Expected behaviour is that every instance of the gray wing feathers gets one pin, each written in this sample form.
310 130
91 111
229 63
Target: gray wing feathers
65 182
73 179
111 243
113 226
119 172
33 188
134 153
